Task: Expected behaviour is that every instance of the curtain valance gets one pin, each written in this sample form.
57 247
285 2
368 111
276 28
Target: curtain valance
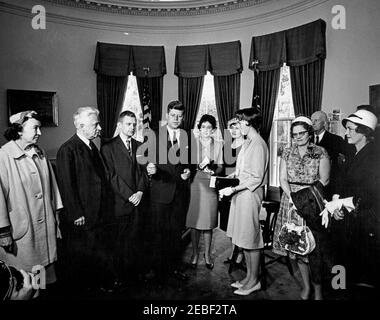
297 46
119 60
221 59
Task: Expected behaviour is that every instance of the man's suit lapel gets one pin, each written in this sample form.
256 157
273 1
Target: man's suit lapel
121 146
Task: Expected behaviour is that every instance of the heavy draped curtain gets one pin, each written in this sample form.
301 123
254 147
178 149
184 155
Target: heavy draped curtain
113 64
224 62
303 49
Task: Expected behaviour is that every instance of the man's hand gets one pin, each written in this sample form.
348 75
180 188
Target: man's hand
151 168
186 174
80 222
136 198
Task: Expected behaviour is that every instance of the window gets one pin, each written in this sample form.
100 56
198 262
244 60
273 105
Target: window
280 133
208 105
132 103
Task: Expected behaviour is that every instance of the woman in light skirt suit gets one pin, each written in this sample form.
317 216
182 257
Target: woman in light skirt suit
243 223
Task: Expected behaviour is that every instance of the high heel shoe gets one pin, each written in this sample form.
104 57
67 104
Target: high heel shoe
194 263
209 265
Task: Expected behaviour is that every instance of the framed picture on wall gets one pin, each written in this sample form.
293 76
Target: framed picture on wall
45 103
374 96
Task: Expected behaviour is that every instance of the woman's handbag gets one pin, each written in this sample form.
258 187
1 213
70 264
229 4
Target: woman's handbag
296 238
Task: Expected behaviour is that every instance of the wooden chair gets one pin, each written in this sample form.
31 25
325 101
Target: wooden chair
271 204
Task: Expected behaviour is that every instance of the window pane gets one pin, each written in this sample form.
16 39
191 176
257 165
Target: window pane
208 105
132 103
280 133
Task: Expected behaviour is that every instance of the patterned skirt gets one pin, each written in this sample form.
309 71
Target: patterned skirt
282 218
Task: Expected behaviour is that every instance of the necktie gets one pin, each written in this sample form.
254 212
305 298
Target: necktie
97 161
317 140
128 143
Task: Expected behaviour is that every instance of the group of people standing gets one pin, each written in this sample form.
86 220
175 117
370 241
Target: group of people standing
120 213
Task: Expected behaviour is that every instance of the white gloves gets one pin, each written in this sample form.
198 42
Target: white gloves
335 205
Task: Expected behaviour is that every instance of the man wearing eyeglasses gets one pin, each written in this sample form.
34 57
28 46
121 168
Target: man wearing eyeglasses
336 147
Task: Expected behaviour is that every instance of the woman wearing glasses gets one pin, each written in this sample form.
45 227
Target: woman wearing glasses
301 166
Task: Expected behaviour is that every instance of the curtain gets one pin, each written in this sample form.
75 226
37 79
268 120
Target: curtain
113 63
307 87
303 49
224 62
155 85
268 83
227 97
110 96
190 94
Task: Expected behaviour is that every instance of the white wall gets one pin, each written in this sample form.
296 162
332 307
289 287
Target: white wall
61 57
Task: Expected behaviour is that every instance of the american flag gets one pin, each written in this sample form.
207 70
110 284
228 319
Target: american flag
256 90
147 114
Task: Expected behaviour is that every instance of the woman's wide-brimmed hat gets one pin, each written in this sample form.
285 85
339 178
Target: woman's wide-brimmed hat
363 117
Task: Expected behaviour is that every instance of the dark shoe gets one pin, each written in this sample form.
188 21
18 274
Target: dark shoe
209 265
179 275
194 262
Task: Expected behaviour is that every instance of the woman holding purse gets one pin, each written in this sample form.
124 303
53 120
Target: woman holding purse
302 165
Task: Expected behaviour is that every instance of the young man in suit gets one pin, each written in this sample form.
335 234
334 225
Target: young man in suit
169 193
128 182
337 148
81 178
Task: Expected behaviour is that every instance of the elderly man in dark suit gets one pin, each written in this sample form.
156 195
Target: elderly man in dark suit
128 181
82 178
337 148
169 193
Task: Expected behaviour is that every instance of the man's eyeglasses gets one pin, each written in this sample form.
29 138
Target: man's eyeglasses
299 134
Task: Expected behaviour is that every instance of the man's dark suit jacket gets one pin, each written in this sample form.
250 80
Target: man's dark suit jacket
81 181
125 175
168 177
334 146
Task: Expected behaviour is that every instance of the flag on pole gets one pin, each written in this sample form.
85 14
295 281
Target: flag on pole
147 114
256 90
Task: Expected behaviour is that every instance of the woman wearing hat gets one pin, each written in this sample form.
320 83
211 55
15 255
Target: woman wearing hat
356 206
302 165
29 198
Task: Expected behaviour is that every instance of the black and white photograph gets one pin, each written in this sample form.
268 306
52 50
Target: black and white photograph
189 156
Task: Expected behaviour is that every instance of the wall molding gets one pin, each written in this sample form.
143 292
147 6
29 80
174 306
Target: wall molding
159 9
233 21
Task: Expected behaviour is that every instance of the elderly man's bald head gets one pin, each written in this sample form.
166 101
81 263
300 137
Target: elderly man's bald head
320 120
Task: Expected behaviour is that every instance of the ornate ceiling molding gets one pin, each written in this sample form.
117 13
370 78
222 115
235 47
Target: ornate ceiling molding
160 9
142 26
